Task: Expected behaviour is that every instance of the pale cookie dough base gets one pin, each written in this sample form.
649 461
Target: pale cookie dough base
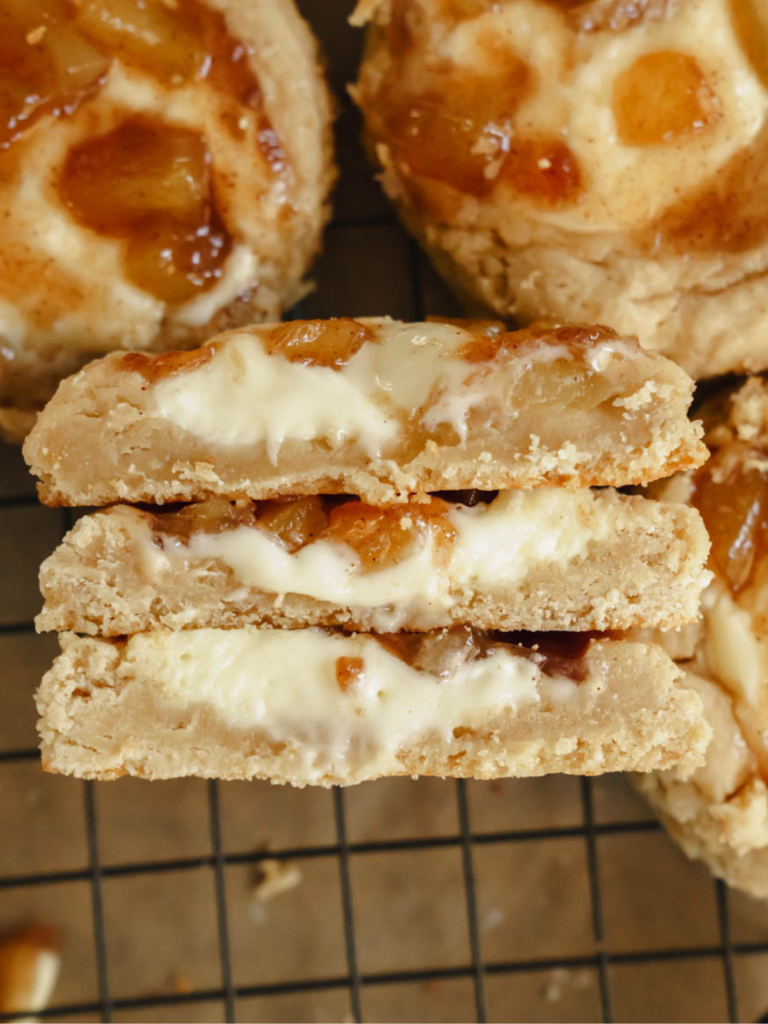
99 722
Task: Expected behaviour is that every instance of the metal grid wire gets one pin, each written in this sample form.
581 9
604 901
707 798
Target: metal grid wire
354 981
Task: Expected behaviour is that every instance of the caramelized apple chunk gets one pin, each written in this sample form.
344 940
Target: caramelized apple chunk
457 131
663 96
146 32
212 516
46 66
731 492
187 41
348 672
149 183
294 521
329 343
542 168
381 537
558 369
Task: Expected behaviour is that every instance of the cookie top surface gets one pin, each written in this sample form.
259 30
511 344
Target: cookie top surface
617 116
163 170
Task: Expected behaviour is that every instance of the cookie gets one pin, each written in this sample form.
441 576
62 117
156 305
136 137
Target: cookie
164 173
311 707
374 408
535 560
720 813
603 161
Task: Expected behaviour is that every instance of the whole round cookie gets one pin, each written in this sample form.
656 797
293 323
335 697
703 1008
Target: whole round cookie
164 172
603 160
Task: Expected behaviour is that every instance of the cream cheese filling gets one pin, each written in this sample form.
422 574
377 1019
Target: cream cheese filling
496 545
244 396
284 684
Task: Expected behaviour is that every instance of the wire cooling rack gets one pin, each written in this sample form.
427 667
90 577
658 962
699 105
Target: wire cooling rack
403 275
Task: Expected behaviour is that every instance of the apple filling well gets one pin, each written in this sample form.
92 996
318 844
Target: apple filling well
150 184
459 130
46 65
380 537
456 125
661 97
145 182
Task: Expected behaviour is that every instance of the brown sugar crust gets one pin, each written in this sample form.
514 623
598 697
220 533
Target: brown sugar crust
98 722
537 421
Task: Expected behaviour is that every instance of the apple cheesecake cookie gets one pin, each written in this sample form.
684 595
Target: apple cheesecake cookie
603 160
720 813
309 707
164 172
375 408
548 559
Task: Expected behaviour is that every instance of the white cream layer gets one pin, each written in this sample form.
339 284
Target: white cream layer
735 654
496 545
243 396
284 684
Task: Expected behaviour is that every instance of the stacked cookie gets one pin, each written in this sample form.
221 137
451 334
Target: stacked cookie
376 528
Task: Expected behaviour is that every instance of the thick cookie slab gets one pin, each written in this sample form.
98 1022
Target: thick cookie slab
544 559
315 708
374 408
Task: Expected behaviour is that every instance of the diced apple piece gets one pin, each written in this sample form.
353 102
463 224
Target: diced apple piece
47 67
77 64
294 521
661 97
348 672
148 33
382 536
458 131
172 261
141 167
330 343
542 168
731 493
